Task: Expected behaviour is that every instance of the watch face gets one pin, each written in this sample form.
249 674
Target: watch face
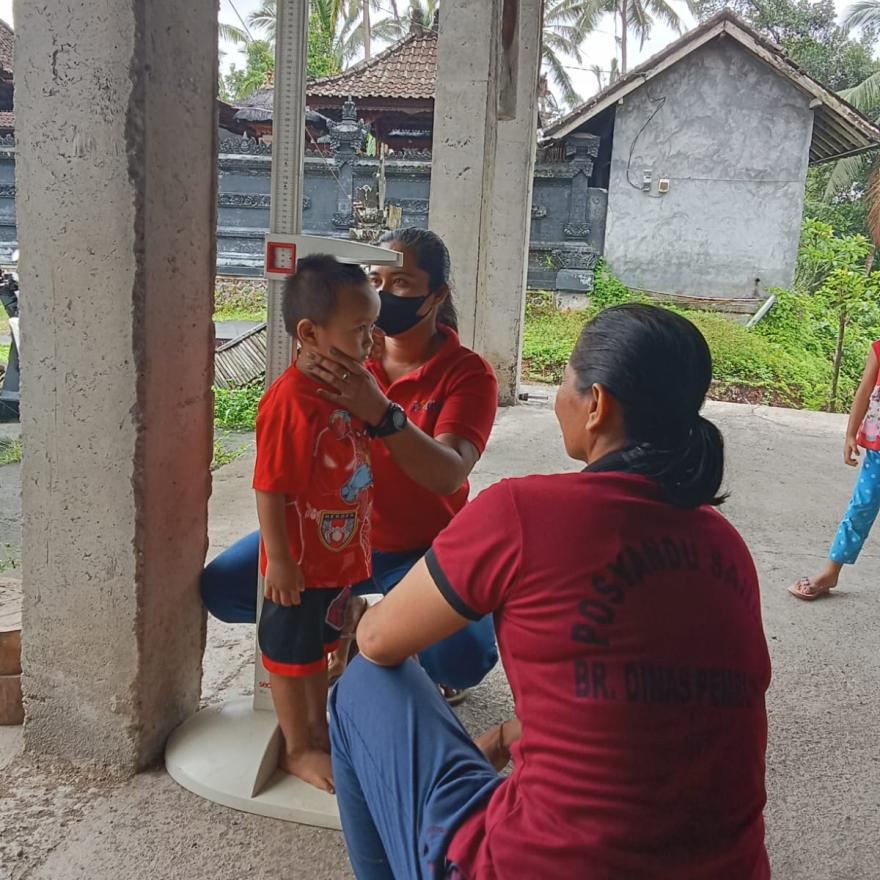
398 418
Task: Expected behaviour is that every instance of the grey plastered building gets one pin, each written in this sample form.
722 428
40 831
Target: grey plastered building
704 151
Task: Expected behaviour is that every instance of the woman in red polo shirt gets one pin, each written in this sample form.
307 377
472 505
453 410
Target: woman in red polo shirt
628 617
432 402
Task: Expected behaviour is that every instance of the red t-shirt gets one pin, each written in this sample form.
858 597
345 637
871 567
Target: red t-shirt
631 634
453 393
318 456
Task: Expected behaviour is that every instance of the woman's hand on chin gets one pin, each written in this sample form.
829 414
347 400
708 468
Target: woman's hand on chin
355 389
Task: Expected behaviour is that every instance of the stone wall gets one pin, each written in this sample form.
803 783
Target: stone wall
567 227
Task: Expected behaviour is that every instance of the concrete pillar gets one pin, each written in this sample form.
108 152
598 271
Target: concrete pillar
116 128
485 125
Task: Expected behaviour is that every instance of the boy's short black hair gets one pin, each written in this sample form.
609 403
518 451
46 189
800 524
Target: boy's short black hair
312 292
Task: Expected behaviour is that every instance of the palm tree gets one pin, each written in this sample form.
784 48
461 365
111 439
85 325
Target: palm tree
848 173
566 25
265 19
639 16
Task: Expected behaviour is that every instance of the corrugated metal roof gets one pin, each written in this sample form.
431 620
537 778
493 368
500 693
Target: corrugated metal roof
838 128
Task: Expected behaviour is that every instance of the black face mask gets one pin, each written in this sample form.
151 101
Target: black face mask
399 313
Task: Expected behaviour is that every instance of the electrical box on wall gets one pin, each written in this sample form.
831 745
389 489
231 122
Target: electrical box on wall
663 185
647 180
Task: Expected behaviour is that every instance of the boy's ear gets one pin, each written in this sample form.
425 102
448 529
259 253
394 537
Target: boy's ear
306 332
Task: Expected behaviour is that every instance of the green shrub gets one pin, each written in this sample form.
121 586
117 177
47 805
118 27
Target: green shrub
237 407
786 360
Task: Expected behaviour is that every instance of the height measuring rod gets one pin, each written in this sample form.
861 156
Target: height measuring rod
288 148
229 753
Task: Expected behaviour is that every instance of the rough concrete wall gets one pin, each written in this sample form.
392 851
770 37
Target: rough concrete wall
733 139
501 307
481 176
464 139
116 230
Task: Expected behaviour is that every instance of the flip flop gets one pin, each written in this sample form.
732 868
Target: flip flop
453 696
806 590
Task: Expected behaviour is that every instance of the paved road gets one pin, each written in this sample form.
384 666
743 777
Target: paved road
788 488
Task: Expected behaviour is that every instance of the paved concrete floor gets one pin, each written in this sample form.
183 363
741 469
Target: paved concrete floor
788 488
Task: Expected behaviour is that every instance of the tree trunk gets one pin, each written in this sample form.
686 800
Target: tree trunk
838 357
623 28
394 11
368 32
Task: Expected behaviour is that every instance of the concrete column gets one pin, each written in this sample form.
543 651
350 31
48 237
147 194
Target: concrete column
485 125
116 127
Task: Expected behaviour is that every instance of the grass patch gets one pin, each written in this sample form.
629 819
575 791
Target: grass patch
239 299
224 452
10 452
4 354
784 361
11 563
236 408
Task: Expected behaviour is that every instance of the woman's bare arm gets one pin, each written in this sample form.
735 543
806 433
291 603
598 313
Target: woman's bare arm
413 616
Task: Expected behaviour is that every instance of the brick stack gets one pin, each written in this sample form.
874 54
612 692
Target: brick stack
11 711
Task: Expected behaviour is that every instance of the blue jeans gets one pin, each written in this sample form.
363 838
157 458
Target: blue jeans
407 774
861 513
229 591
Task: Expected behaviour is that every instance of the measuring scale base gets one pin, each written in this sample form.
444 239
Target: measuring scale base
228 754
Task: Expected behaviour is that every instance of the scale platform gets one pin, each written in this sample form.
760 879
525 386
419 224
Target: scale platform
229 755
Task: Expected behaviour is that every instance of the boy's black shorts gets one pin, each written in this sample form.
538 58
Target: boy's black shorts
295 641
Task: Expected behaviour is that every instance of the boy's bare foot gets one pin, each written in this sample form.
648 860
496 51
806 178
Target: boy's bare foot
319 736
312 766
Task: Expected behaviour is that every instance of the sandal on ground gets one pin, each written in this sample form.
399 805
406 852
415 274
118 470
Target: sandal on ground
808 591
453 696
348 648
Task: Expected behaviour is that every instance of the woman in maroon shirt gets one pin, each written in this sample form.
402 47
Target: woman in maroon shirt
628 618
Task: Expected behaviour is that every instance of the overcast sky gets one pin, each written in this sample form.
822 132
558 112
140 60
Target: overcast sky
598 49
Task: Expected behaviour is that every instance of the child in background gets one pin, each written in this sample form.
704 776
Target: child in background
863 430
314 496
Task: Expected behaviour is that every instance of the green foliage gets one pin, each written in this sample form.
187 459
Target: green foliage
809 34
239 299
796 356
239 84
236 408
822 252
4 354
610 291
843 209
10 452
322 60
225 452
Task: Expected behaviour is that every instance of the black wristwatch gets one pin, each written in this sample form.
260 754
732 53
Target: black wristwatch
393 422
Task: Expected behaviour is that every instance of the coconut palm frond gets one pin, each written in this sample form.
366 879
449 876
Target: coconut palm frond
561 78
232 34
866 95
844 175
661 10
862 13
